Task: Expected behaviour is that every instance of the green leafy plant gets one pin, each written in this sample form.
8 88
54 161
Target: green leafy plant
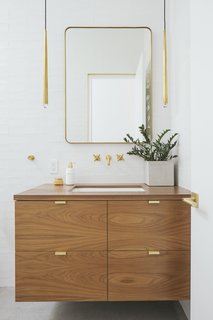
157 150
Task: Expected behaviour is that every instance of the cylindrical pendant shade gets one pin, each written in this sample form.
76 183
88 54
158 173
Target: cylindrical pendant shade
165 78
45 97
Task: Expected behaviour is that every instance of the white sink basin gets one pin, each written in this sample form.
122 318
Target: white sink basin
108 189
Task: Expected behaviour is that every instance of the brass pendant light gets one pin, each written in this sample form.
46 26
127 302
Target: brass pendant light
45 94
165 78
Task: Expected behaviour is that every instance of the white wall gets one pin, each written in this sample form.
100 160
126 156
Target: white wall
191 65
25 127
201 157
178 16
179 80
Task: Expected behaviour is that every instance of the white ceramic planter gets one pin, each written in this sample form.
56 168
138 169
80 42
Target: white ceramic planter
159 173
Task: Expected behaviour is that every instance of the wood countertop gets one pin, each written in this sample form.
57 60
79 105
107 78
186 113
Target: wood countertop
52 192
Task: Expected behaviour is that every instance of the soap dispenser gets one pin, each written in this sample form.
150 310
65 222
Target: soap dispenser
69 180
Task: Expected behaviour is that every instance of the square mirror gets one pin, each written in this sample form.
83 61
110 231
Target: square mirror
108 83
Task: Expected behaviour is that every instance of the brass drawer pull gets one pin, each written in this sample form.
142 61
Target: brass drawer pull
154 202
60 253
60 202
153 252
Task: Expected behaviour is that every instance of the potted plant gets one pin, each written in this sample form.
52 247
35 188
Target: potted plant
159 165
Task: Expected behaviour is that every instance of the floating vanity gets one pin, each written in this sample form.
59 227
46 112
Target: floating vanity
99 243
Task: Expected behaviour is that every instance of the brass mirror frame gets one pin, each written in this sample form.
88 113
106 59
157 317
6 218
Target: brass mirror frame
148 82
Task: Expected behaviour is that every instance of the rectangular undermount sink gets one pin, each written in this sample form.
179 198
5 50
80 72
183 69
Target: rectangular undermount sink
108 189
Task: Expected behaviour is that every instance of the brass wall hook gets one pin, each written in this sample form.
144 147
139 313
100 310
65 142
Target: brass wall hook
120 157
31 157
97 157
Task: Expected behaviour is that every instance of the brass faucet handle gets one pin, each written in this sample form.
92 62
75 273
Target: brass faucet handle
97 157
120 157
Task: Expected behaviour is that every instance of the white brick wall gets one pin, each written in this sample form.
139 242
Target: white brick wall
25 127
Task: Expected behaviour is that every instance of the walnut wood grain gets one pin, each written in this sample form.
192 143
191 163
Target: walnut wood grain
51 192
79 228
45 226
138 225
78 276
134 275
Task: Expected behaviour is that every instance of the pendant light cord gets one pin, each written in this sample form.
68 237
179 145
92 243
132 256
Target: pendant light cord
45 93
164 15
165 79
45 14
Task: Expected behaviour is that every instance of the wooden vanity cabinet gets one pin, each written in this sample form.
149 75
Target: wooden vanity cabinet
149 250
76 276
61 225
61 250
101 248
137 275
148 225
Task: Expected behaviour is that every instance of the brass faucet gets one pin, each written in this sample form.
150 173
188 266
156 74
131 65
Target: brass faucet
108 158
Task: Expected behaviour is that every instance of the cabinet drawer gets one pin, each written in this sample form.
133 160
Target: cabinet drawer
138 225
77 276
135 275
75 225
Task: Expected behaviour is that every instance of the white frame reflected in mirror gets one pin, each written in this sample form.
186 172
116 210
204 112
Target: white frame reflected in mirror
114 93
108 75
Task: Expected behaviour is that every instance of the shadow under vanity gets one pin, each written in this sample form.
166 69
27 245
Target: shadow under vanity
102 246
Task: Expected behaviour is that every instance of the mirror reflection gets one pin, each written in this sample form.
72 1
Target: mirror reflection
107 83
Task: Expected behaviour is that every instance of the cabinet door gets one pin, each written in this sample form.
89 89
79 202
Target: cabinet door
51 226
78 276
140 225
135 275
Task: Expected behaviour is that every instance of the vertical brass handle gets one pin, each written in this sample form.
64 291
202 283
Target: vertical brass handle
193 201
